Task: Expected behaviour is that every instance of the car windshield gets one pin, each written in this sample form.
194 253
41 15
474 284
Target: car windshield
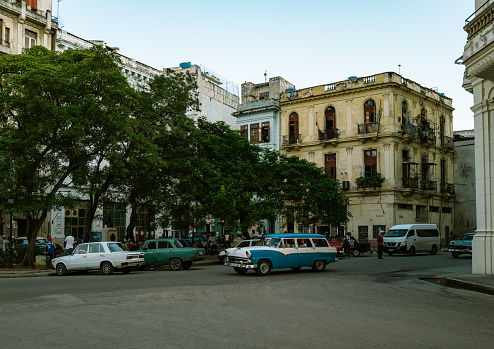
396 233
117 247
274 242
468 237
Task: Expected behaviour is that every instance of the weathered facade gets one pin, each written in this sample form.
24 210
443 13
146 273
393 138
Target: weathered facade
217 95
478 58
464 179
258 120
379 126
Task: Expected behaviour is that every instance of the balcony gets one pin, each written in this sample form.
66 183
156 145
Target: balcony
368 127
328 134
447 143
448 188
427 136
411 183
291 140
426 184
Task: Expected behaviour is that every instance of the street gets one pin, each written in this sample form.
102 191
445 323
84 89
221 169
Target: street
357 302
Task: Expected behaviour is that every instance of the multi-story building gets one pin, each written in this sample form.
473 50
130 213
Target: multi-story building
478 58
24 24
389 142
218 96
259 121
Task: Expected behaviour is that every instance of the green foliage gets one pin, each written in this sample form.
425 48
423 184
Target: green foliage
372 182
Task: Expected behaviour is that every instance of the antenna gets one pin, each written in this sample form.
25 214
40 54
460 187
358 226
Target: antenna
399 69
265 76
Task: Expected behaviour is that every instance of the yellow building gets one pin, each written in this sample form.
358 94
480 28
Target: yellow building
379 126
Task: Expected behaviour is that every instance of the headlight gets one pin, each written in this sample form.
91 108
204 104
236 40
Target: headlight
403 243
226 252
247 253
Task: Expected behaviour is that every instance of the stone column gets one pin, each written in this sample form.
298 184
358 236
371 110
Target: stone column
483 242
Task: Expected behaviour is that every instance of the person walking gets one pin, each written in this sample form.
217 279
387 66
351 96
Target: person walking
69 244
380 244
1 246
50 250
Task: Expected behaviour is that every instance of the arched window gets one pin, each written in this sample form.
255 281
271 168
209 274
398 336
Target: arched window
330 129
404 109
369 111
293 128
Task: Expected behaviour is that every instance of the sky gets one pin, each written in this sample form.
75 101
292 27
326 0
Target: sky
308 43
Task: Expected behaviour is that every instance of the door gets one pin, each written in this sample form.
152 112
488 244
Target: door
289 257
150 253
95 255
411 239
164 252
306 252
79 259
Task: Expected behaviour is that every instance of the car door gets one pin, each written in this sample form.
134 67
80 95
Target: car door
164 252
411 239
305 252
150 253
95 254
79 259
289 254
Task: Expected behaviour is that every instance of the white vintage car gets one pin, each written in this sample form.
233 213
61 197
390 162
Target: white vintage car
277 251
106 256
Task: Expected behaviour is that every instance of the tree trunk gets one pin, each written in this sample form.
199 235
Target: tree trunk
33 226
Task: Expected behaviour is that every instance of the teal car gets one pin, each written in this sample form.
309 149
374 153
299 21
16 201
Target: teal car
21 244
463 246
171 252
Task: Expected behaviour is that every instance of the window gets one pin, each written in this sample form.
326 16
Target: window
404 109
443 172
114 215
265 132
433 209
164 244
96 248
370 162
363 233
447 210
320 243
254 133
376 229
293 128
263 95
369 111
33 4
81 249
330 164
244 129
405 207
152 245
421 212
30 39
330 115
7 36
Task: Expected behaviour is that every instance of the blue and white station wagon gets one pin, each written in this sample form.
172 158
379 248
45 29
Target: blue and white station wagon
277 251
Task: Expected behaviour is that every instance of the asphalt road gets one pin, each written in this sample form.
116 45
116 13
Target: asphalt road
355 303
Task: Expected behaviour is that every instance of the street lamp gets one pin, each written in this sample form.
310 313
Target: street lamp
10 263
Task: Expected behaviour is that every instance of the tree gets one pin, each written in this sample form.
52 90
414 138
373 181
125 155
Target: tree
58 113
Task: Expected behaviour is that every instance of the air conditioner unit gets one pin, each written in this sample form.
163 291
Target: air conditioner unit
345 185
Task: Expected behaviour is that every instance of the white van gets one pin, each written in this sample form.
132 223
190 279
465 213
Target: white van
412 238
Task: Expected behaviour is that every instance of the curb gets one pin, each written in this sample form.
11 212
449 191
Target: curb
472 286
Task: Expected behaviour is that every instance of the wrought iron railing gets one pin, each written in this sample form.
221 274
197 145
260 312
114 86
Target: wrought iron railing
368 127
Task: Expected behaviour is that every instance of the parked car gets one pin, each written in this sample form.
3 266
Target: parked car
106 256
21 244
361 247
283 251
463 246
243 243
412 238
171 252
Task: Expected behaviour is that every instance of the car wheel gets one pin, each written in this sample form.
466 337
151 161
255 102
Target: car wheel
263 268
126 270
175 264
455 254
411 252
434 250
319 265
296 268
142 267
240 270
186 265
107 268
61 269
356 253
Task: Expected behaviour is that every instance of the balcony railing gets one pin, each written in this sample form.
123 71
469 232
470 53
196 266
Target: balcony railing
291 139
448 188
328 134
447 142
409 130
368 127
426 184
410 183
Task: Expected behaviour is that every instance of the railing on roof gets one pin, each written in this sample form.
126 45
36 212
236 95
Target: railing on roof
480 9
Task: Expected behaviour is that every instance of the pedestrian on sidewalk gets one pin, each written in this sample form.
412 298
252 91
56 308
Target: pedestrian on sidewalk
380 244
1 246
50 249
69 244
